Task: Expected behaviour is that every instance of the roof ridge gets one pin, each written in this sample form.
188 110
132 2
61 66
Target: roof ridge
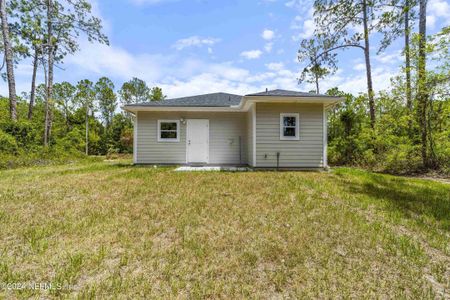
287 93
200 95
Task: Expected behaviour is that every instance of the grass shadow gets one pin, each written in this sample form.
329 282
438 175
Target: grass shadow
67 169
418 199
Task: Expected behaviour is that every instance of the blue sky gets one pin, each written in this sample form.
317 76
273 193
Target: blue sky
201 46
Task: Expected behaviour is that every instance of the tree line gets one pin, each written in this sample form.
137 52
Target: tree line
59 117
85 119
417 100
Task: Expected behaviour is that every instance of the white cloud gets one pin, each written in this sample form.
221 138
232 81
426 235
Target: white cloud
356 83
438 9
261 77
356 28
176 74
227 70
22 75
106 23
390 58
268 47
431 21
301 5
290 3
268 34
251 54
194 41
307 28
359 67
305 24
275 66
296 23
206 83
101 59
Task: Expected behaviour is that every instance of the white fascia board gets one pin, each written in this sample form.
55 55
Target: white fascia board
248 100
329 106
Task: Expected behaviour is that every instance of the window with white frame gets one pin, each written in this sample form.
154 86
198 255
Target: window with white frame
289 126
168 130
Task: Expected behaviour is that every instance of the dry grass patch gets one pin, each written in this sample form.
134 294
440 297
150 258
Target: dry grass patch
113 230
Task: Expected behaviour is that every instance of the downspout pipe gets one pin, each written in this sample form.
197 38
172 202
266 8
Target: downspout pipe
278 160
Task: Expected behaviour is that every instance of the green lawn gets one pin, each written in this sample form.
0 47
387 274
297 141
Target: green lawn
114 230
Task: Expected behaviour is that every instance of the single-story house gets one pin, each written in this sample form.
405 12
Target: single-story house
277 128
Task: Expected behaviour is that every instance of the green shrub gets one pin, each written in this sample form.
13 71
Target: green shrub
402 159
442 150
73 140
334 155
8 143
113 153
368 159
126 140
25 133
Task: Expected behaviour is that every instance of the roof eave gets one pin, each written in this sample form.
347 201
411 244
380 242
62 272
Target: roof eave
134 108
243 106
301 98
247 100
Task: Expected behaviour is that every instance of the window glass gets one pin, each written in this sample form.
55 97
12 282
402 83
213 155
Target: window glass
289 131
289 121
168 134
168 131
289 126
168 126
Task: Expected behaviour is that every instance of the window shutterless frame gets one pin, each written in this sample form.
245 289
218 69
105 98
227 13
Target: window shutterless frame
286 127
166 128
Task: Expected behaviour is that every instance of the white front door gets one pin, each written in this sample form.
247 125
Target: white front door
197 141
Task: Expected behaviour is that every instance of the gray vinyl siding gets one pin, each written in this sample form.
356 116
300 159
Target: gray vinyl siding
306 152
224 132
250 137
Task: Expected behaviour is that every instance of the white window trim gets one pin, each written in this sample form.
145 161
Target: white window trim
135 137
297 127
254 134
169 140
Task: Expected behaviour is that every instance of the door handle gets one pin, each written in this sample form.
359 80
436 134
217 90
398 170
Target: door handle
189 142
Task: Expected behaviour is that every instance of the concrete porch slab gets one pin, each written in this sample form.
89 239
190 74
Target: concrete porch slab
212 169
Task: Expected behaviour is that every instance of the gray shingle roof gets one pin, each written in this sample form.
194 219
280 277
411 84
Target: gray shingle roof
220 99
206 100
286 93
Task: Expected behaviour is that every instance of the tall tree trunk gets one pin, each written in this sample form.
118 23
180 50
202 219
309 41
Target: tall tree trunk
87 127
66 116
48 106
368 67
408 65
317 84
9 62
33 83
431 155
422 94
44 66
